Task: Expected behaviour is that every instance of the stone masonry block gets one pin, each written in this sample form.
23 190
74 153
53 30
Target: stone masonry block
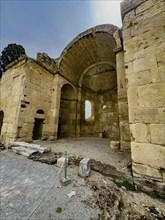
84 167
140 132
146 170
140 78
151 95
132 97
157 133
115 144
146 115
148 154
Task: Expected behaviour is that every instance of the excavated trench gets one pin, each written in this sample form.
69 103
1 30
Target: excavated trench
113 192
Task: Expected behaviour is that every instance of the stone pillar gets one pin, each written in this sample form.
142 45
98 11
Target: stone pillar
122 93
78 126
143 34
54 116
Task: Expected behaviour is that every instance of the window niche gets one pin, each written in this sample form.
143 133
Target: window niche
89 111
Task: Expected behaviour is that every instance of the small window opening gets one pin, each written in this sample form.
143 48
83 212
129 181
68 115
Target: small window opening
89 113
40 112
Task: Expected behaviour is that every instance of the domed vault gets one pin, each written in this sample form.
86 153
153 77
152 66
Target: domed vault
89 59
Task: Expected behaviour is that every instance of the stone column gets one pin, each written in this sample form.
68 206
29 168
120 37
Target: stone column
78 127
54 116
122 94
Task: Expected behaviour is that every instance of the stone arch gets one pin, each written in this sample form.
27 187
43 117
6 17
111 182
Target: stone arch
90 47
67 114
1 120
89 61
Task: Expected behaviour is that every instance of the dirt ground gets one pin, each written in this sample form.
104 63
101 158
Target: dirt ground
31 190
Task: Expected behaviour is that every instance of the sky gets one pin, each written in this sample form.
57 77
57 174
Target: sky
49 25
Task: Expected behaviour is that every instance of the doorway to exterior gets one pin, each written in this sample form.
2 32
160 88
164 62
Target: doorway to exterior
37 130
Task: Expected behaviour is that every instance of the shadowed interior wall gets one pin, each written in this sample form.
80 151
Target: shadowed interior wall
67 116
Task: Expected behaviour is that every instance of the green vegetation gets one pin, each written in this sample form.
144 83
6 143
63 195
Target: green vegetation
58 209
126 184
9 54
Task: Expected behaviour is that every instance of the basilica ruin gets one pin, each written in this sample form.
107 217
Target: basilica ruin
120 72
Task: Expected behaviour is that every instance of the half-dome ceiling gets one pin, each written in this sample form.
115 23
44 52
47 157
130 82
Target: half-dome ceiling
91 48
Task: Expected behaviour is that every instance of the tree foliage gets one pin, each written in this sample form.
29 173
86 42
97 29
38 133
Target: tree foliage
9 54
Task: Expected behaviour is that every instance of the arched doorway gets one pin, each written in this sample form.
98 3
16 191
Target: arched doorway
38 125
1 120
67 116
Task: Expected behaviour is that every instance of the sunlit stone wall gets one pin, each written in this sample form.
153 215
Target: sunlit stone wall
144 43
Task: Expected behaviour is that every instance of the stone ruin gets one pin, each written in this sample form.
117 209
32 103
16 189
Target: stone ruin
119 71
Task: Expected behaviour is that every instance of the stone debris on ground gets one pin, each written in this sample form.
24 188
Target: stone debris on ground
84 167
71 194
96 197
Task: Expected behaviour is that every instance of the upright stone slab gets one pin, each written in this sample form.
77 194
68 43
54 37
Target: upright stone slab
84 167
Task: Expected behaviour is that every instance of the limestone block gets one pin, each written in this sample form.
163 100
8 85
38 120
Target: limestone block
146 115
158 74
148 62
151 95
157 133
140 132
140 65
115 144
148 154
124 131
61 162
132 97
84 167
140 78
36 147
125 145
23 151
129 68
146 170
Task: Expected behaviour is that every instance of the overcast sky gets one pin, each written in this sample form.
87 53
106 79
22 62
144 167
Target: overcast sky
49 25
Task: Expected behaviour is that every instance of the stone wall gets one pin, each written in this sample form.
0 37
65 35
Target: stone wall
105 117
11 87
122 93
143 34
36 95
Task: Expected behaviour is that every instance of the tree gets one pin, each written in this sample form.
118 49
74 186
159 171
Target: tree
9 54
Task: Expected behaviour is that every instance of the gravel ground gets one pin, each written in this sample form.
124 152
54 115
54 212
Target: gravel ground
32 191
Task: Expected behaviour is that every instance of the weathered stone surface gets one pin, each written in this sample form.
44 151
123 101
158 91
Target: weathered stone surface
140 132
60 162
147 171
84 167
36 147
23 151
151 95
157 133
115 144
149 154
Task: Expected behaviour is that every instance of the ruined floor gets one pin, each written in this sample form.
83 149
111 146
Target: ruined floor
91 147
31 190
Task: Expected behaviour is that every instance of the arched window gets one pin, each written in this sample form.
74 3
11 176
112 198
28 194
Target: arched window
89 111
40 112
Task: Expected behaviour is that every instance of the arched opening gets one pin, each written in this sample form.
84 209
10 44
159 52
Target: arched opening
67 116
1 120
38 125
41 112
89 111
